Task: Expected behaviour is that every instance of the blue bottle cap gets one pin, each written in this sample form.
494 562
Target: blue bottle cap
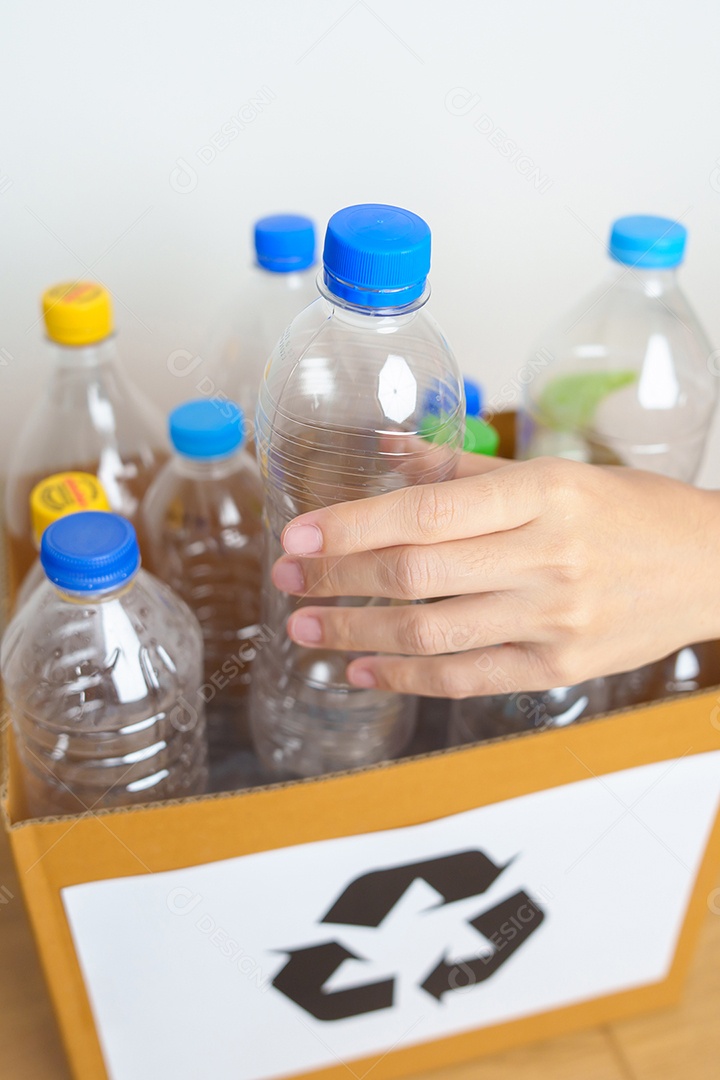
207 428
376 256
648 242
88 552
473 397
285 242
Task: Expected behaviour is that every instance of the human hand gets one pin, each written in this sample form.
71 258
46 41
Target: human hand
552 572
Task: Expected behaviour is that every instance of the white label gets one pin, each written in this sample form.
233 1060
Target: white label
278 963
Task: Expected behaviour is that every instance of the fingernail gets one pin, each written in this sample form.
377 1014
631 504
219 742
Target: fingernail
287 576
303 540
306 630
362 677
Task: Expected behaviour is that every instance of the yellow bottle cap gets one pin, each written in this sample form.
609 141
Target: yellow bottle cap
61 494
77 313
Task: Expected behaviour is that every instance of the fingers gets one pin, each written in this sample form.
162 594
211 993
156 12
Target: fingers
506 669
455 625
482 564
501 499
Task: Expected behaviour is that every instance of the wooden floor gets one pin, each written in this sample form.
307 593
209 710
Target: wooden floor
678 1044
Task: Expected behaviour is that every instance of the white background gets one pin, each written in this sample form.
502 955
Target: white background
616 104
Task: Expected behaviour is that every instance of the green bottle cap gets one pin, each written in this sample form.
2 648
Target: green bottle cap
480 437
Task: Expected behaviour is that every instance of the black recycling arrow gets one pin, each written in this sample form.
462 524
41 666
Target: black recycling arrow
306 972
368 899
506 926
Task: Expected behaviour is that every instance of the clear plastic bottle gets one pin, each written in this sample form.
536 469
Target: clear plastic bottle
53 498
90 418
281 286
101 669
202 518
476 719
340 416
629 382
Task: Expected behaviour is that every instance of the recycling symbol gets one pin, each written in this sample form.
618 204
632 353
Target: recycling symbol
368 899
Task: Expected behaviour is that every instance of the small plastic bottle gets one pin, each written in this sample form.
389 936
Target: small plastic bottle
89 418
281 286
102 668
341 416
202 518
53 498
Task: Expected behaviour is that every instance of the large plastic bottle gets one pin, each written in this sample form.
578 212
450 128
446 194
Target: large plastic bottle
281 286
340 416
89 418
102 668
53 498
202 518
629 382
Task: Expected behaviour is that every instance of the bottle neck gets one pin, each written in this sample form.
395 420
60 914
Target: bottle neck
386 319
649 281
291 280
79 357
208 468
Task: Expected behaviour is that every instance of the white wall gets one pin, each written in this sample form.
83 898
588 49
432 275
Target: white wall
614 104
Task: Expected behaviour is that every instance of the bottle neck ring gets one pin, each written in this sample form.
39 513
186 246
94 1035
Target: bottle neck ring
86 356
375 304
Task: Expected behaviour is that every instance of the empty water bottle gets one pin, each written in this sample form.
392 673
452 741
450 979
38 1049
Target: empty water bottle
89 417
202 521
624 379
282 285
340 416
101 668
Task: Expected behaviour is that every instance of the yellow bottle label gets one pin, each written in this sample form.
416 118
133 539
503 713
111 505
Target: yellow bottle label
61 494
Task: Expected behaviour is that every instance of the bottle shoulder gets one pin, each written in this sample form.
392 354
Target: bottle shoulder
51 637
624 317
81 416
188 497
327 351
323 320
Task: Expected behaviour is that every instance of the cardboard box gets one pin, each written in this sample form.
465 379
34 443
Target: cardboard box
390 920
581 859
